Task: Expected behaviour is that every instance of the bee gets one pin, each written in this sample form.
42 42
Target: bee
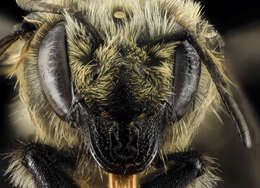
116 89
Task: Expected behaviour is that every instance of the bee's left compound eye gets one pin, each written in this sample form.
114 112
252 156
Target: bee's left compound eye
54 70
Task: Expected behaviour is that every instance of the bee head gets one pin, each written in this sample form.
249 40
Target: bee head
123 79
125 88
119 92
122 89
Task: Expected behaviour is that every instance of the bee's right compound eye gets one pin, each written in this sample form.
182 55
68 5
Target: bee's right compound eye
54 70
187 68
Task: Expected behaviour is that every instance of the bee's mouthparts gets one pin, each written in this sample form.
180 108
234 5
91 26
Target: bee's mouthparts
123 149
119 147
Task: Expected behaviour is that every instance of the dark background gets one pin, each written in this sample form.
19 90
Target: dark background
238 21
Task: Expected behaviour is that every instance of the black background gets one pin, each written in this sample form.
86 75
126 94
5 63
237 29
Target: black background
227 16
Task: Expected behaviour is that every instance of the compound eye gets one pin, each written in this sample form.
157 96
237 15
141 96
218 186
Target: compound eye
187 69
54 70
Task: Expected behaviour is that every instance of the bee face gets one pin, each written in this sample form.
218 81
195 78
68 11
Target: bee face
120 81
125 85
124 88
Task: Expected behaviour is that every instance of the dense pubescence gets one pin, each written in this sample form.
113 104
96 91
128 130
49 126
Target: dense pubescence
116 70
